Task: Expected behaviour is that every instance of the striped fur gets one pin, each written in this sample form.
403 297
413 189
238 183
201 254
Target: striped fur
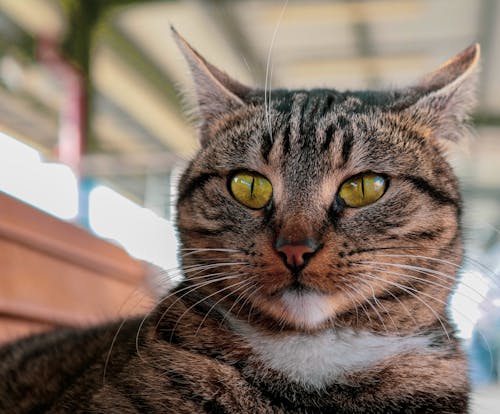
362 328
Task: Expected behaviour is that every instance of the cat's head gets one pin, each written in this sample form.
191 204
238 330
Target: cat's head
305 208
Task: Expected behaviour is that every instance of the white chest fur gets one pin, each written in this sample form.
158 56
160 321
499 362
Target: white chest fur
317 360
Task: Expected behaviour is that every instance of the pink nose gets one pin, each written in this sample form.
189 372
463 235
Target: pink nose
296 253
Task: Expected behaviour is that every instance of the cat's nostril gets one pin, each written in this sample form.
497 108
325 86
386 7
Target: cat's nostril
296 254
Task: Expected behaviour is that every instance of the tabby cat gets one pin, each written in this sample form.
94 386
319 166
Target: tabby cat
320 235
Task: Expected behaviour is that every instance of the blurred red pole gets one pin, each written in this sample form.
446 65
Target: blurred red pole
72 137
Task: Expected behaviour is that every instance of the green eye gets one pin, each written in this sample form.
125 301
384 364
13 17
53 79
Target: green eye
363 189
251 189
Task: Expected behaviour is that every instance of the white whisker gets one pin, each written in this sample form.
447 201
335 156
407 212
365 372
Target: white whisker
244 287
267 85
203 300
411 292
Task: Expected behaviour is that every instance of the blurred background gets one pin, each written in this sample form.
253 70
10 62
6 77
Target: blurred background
93 131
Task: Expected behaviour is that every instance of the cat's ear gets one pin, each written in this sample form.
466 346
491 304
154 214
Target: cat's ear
216 92
444 98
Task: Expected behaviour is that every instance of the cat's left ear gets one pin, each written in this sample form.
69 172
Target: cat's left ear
444 98
216 93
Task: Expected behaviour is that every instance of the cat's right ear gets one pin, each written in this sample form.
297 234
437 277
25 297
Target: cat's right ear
216 93
444 99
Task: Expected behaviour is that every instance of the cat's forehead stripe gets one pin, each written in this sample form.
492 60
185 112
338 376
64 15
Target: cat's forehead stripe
307 114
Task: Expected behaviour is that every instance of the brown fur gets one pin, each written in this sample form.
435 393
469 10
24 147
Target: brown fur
383 270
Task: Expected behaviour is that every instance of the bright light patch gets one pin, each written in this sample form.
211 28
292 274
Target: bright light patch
50 187
141 232
465 303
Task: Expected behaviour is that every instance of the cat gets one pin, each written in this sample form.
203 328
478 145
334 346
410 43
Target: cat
320 239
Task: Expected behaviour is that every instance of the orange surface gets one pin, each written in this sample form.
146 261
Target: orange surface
53 273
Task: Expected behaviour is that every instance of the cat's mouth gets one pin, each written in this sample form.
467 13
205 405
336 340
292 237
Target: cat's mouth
296 286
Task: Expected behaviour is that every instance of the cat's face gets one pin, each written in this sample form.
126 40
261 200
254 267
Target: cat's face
322 207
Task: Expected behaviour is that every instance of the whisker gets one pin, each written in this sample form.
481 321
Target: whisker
108 355
426 271
124 320
384 309
203 300
467 259
426 281
362 304
192 287
244 287
247 300
240 296
179 270
190 252
356 303
373 306
430 282
267 85
443 261
196 275
411 291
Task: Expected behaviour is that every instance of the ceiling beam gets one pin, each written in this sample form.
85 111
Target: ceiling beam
222 13
486 119
133 56
13 36
488 10
127 165
363 40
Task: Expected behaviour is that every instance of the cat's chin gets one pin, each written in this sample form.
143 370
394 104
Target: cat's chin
306 309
